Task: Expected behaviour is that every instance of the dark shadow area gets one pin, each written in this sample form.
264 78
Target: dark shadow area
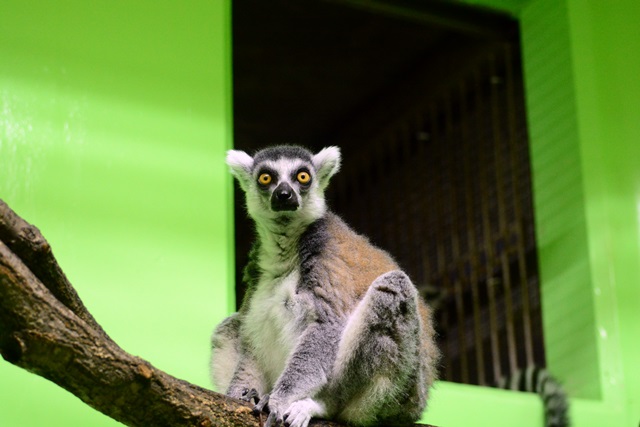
425 99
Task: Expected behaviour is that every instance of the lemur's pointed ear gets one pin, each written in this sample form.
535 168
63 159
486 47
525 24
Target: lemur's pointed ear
241 164
327 163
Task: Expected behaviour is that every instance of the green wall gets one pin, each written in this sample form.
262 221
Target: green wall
581 67
607 68
560 200
114 119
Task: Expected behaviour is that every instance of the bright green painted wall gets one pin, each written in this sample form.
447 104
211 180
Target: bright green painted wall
583 98
559 199
606 46
114 119
581 67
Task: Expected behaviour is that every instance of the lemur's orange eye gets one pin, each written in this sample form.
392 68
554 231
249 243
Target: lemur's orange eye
304 177
265 179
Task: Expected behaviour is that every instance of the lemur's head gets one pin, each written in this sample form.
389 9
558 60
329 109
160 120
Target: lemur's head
285 181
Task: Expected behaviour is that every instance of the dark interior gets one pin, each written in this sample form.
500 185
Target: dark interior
304 72
425 100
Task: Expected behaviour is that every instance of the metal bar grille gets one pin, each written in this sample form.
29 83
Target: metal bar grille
447 190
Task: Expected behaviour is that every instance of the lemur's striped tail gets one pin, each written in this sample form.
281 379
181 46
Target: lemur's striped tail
538 380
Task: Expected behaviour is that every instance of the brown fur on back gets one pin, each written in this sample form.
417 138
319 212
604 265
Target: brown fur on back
353 263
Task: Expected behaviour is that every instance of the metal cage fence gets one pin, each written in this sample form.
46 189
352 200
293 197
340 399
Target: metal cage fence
447 190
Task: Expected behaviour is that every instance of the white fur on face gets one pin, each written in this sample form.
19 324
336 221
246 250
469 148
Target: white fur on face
322 167
312 202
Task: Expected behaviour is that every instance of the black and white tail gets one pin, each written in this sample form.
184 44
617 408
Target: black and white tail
538 380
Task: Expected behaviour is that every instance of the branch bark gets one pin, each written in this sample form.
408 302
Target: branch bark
46 329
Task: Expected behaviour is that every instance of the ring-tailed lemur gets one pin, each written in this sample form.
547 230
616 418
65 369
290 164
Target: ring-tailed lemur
537 380
329 327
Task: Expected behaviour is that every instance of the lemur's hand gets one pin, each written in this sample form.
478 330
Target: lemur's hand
276 407
300 412
244 393
250 394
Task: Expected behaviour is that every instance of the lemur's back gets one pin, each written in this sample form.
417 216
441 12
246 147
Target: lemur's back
358 262
350 261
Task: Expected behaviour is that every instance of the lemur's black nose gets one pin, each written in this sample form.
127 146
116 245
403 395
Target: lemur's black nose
283 193
284 198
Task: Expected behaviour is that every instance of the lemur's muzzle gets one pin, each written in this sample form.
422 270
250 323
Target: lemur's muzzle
284 198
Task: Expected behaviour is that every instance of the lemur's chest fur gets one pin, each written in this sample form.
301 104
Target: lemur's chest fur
273 322
276 314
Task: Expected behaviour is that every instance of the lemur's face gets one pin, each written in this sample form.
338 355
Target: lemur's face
284 184
285 181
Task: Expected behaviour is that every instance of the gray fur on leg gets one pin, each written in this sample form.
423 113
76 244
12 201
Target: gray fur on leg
225 352
378 369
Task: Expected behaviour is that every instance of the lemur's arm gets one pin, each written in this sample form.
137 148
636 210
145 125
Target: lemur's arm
308 368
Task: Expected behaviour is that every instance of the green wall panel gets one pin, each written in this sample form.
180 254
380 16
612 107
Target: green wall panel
583 100
559 199
606 62
114 120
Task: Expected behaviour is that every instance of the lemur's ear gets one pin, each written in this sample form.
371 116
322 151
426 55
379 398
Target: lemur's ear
327 163
241 164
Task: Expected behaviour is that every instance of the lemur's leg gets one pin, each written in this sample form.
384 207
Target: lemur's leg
233 371
379 372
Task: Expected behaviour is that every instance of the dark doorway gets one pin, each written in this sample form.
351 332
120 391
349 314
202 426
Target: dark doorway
425 99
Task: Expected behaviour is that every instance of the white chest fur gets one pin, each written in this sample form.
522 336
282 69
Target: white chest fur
273 322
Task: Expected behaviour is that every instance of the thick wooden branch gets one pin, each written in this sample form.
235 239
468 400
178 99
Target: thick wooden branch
26 241
45 329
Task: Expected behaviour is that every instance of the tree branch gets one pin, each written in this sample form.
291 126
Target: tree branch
46 329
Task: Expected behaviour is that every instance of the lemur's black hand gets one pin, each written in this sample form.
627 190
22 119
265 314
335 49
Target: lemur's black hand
262 405
250 395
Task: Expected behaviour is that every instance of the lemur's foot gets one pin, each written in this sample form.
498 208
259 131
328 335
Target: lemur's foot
249 395
395 295
262 405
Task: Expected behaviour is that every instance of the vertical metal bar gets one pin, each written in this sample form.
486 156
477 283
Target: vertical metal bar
448 153
502 226
471 250
440 252
487 241
373 182
412 208
520 246
442 232
406 211
418 216
448 348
